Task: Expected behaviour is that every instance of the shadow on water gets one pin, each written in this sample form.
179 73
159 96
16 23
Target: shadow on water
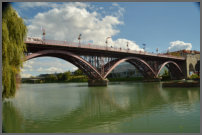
100 106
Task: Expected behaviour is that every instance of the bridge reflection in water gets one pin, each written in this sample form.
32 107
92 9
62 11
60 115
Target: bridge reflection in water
129 107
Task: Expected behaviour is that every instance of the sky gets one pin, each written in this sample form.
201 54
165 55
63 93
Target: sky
164 25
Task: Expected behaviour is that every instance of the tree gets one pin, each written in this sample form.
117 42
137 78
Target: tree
51 78
78 72
13 48
59 76
66 76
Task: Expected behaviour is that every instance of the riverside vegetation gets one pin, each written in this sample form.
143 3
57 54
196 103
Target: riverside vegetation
79 76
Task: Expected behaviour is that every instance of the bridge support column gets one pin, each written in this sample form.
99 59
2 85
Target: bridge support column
98 82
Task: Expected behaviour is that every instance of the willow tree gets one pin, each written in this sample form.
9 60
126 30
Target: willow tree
13 47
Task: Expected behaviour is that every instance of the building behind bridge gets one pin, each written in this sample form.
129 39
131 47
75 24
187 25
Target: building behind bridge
124 70
192 60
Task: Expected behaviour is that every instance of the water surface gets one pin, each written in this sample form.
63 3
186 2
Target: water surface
118 108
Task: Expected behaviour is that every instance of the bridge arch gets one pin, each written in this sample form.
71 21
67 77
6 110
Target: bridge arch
76 60
172 67
137 62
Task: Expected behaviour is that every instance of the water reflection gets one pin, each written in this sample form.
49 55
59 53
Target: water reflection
66 108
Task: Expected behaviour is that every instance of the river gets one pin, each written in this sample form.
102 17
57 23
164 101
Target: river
118 108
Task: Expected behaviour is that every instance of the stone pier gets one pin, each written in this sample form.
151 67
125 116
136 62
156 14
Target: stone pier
98 82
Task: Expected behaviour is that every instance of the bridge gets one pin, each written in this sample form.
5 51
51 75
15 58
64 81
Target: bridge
98 61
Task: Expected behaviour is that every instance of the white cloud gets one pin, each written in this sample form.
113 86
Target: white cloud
44 65
54 69
123 44
68 21
120 10
50 70
40 69
74 68
28 65
179 45
24 75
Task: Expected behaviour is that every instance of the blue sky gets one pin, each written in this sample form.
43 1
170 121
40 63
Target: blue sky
162 25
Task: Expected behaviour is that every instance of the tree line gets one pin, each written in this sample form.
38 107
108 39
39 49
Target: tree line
77 76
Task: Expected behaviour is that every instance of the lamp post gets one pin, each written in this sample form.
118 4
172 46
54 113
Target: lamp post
107 41
144 46
79 38
43 34
157 50
127 45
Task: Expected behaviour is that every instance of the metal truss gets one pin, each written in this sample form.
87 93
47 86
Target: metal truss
99 67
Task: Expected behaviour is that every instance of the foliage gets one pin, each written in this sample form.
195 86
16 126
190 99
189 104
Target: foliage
61 77
51 78
78 72
66 76
13 48
165 75
194 76
80 78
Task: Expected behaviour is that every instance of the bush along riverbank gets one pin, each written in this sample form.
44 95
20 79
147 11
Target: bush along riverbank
81 78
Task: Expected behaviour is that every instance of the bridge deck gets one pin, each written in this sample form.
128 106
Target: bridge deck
85 49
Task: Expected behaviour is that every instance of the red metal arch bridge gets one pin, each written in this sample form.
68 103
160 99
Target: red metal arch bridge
98 61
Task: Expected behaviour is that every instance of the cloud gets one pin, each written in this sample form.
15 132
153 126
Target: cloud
28 65
54 69
66 22
120 10
50 70
74 68
24 75
179 45
123 44
40 69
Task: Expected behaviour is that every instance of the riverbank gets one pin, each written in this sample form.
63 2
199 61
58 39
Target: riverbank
181 84
81 78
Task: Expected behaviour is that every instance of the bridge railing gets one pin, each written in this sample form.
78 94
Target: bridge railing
98 47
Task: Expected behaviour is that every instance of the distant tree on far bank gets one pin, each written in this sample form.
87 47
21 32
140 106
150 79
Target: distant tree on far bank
13 47
78 72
